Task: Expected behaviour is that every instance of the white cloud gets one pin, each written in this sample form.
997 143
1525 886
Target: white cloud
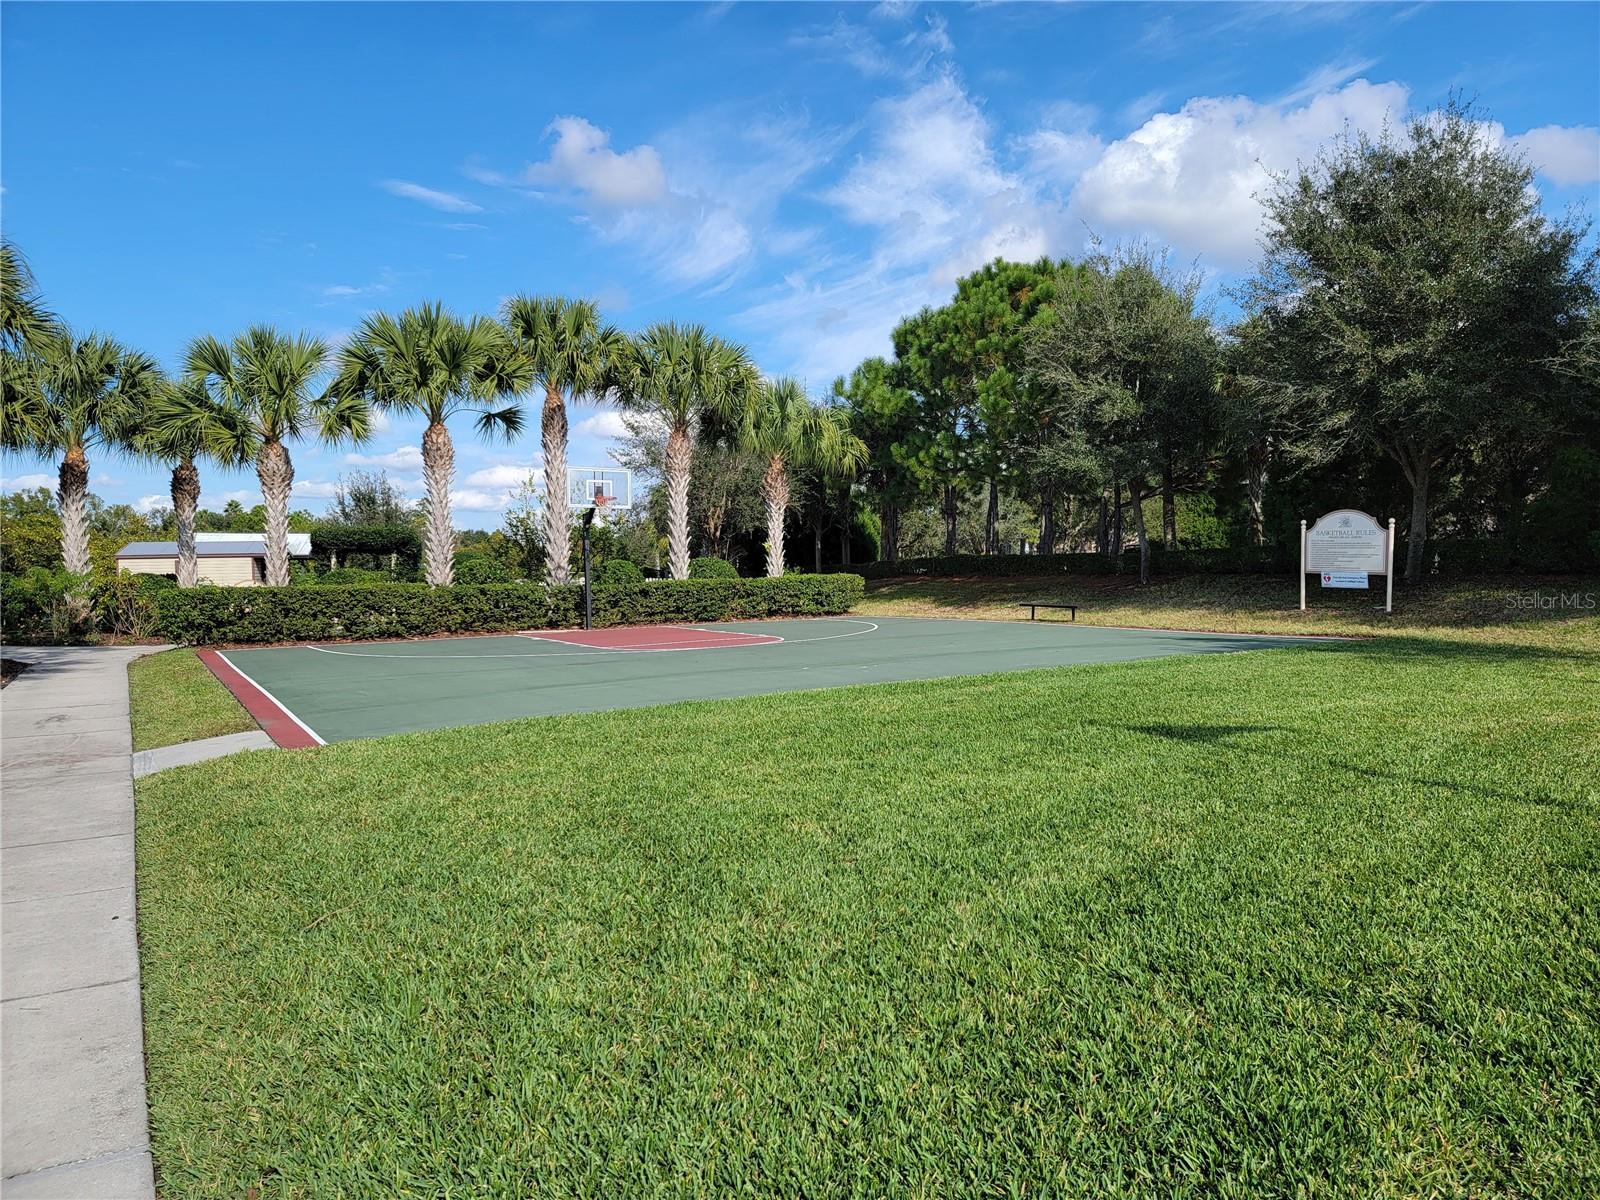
939 203
582 160
248 497
472 500
444 201
400 458
1054 154
1565 155
508 477
930 167
311 489
1192 177
605 424
26 483
149 504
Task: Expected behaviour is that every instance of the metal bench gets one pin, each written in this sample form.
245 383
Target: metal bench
1033 607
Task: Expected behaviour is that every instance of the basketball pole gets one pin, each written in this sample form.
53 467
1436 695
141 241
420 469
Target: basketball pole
588 596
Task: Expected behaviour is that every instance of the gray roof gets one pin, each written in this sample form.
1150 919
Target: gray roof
242 547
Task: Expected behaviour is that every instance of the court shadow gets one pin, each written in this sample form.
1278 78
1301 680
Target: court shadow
1209 734
1221 735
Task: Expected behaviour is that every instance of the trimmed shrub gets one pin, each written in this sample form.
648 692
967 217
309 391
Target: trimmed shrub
124 603
401 540
712 568
33 605
471 569
618 572
288 614
347 577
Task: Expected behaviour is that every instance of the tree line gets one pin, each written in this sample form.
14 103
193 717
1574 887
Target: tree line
1417 331
1418 338
245 400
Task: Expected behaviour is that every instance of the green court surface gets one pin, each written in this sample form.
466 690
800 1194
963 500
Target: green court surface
308 694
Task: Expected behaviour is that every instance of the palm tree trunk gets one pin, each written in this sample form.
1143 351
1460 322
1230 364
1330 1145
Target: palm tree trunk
775 492
73 498
438 536
74 501
185 500
889 533
679 457
276 474
557 519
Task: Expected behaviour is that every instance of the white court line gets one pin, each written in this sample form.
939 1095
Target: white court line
287 711
871 626
756 639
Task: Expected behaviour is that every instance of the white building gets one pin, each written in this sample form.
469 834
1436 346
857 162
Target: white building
227 559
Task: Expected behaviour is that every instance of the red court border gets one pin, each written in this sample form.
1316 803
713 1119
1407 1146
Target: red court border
275 720
650 637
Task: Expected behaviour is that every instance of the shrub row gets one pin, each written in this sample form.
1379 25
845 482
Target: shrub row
1446 556
1229 561
288 614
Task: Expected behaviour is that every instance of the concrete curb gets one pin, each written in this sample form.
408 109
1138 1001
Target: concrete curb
148 762
73 1118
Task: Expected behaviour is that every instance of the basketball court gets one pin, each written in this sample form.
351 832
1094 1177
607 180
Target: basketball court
310 694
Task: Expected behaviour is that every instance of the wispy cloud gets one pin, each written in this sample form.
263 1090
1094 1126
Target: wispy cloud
400 458
1325 78
692 202
443 201
350 291
906 57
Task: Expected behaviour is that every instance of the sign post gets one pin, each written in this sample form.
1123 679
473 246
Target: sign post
1345 547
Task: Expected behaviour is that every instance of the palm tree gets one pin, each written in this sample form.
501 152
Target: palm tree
24 321
84 393
429 362
182 423
571 350
679 374
787 431
262 384
26 329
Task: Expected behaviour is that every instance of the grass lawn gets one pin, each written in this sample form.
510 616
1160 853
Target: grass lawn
1480 611
173 698
1310 922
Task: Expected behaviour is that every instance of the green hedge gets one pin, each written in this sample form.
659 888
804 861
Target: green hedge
1445 556
1230 561
327 540
287 614
714 568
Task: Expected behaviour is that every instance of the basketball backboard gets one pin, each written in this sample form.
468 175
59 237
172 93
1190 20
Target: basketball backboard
609 488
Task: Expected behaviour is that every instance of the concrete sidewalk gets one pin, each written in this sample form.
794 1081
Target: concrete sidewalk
72 1118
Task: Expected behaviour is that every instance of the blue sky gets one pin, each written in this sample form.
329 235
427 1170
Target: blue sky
795 176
